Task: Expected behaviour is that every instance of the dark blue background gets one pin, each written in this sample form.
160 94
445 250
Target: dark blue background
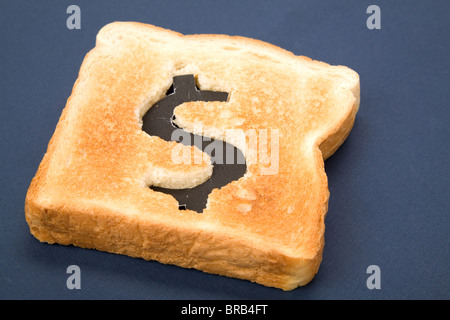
389 182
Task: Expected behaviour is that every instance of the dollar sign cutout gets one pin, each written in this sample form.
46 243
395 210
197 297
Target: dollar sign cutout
158 121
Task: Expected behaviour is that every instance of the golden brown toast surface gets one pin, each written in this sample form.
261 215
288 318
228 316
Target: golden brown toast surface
92 187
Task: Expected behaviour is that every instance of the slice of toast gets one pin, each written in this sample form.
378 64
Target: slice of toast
92 186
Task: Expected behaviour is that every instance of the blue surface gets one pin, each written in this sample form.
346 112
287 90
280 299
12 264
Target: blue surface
389 182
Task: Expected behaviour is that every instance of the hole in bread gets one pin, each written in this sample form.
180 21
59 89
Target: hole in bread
264 57
230 48
179 66
158 40
172 120
158 121
170 91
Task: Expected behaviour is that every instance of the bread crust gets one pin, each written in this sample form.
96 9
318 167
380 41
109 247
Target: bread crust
91 188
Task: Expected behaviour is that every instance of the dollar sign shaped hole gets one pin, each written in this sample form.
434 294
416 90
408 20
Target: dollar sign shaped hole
158 121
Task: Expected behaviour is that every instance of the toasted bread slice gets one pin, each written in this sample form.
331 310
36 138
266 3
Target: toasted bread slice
92 186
